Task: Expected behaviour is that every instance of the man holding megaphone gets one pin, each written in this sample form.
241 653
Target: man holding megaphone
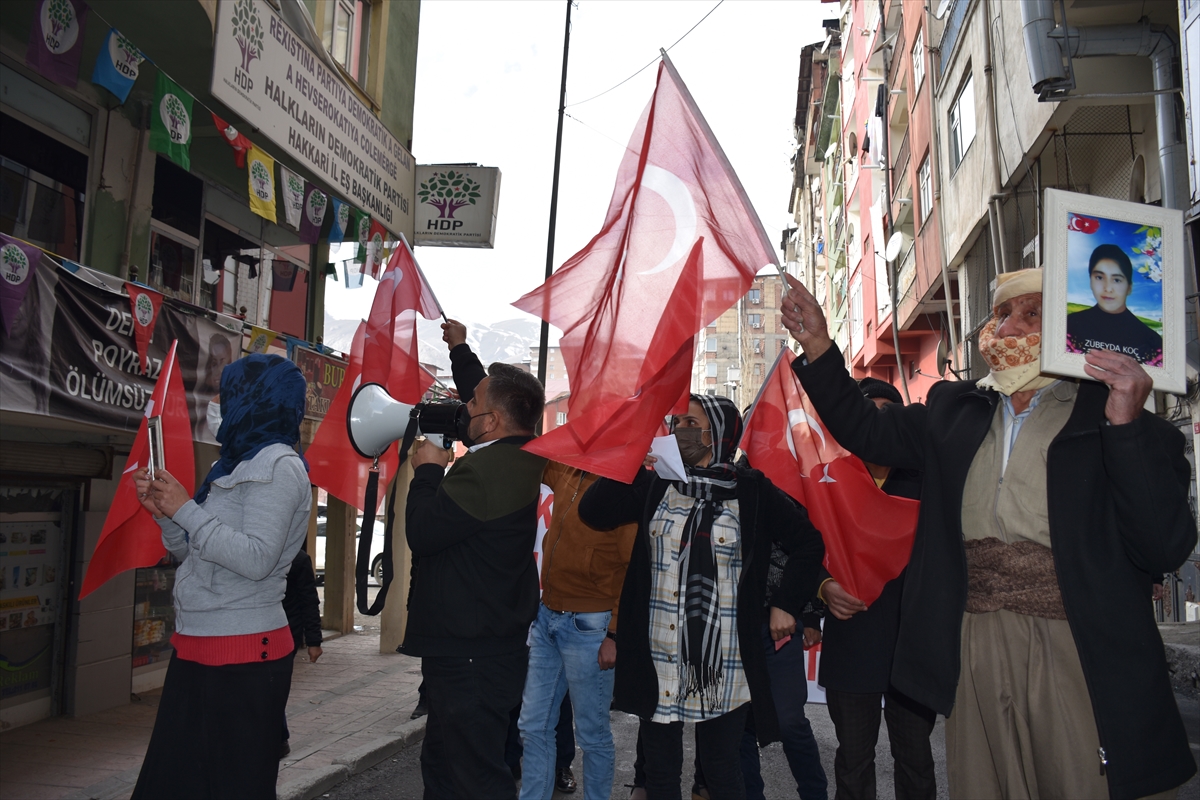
476 588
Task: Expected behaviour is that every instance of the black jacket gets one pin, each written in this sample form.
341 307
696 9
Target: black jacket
765 513
301 604
856 653
1118 503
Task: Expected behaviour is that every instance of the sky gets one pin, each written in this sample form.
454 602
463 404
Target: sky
487 87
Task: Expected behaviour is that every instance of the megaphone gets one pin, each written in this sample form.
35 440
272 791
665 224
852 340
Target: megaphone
375 419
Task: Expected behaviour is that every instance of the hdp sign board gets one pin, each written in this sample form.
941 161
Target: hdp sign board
456 205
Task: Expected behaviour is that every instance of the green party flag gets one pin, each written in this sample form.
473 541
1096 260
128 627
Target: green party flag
171 121
361 225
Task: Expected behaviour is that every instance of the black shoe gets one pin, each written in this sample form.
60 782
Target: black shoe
284 749
564 781
422 708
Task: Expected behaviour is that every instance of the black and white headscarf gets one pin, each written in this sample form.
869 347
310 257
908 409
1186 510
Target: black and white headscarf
701 665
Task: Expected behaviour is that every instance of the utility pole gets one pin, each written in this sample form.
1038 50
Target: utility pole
543 344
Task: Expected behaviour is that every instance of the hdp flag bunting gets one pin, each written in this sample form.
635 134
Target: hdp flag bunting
261 176
293 196
341 221
360 224
145 304
56 40
18 262
679 244
868 534
171 121
260 339
375 238
315 203
117 64
130 537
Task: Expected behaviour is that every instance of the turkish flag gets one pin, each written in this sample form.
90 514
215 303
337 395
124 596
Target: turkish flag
130 537
384 352
145 304
679 245
868 534
238 141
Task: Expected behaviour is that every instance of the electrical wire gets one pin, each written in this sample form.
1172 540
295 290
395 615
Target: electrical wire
650 63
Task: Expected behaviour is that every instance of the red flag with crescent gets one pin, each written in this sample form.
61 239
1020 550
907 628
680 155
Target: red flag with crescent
679 245
868 534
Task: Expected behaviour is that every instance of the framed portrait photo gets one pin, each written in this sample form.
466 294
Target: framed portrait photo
1113 279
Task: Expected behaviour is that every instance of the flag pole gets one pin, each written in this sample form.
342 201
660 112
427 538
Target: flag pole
544 341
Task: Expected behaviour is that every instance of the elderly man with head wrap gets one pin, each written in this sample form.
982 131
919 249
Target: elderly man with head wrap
1047 507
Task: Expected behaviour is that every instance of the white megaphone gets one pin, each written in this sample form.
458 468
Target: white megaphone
375 419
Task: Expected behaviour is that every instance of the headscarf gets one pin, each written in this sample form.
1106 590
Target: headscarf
262 403
701 665
1014 361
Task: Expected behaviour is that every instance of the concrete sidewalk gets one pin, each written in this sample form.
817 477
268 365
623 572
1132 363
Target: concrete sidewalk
346 713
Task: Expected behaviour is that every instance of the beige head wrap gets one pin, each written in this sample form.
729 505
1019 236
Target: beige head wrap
1015 361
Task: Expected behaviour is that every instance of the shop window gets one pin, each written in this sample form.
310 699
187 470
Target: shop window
42 188
153 617
347 35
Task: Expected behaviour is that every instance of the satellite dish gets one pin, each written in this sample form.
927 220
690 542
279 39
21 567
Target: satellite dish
893 246
942 8
943 358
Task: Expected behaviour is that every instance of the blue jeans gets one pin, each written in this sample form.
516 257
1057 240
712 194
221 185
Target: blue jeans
563 650
786 668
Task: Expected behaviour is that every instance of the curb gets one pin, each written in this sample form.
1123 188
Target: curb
353 762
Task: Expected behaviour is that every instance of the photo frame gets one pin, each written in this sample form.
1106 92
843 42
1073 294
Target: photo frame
1113 278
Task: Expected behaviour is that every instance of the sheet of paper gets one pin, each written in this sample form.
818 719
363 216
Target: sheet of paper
670 463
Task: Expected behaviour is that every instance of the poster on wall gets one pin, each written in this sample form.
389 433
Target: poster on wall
72 355
456 205
323 374
30 555
1113 280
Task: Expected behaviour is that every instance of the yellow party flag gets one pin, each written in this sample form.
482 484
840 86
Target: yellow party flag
260 339
261 168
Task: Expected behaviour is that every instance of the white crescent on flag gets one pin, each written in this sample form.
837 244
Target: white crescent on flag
797 416
676 195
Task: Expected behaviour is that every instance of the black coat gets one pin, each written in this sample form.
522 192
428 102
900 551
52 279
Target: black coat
1118 504
301 604
765 514
856 653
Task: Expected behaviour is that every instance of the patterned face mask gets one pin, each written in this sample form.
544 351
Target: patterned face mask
1014 361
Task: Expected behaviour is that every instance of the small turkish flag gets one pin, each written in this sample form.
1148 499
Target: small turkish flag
238 141
679 245
145 304
868 534
130 537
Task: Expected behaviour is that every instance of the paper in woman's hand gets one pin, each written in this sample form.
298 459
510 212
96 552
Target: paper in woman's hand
670 462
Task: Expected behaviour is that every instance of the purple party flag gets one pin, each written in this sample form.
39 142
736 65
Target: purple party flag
17 264
315 203
56 40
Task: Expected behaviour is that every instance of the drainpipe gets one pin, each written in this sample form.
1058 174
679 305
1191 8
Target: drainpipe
144 123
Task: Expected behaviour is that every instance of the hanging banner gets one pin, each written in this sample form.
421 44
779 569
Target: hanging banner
145 304
324 375
261 175
72 355
235 140
293 196
375 237
18 262
360 223
315 203
56 40
260 339
341 221
117 65
456 206
353 273
285 275
171 121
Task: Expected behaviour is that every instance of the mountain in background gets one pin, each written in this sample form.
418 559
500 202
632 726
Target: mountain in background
508 341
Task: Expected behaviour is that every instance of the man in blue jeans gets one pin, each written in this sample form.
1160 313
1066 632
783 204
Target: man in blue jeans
572 643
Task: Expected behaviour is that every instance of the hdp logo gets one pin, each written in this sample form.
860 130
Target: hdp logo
343 218
124 55
364 230
175 118
143 310
449 191
248 33
60 25
260 179
14 264
315 207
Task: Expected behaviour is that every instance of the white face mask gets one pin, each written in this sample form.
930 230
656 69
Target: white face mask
214 416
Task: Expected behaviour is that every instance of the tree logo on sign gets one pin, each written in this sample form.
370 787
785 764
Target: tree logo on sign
124 55
343 217
175 118
364 230
14 264
448 192
143 310
260 177
315 207
247 31
60 26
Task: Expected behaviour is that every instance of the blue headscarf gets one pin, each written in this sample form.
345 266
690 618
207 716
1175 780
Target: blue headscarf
262 403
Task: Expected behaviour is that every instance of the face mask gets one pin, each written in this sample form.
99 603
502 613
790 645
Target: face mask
691 448
464 426
214 416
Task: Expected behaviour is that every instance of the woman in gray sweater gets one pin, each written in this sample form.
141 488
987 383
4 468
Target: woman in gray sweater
217 730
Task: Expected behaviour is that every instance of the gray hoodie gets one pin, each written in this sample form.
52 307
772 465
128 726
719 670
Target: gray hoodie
239 546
